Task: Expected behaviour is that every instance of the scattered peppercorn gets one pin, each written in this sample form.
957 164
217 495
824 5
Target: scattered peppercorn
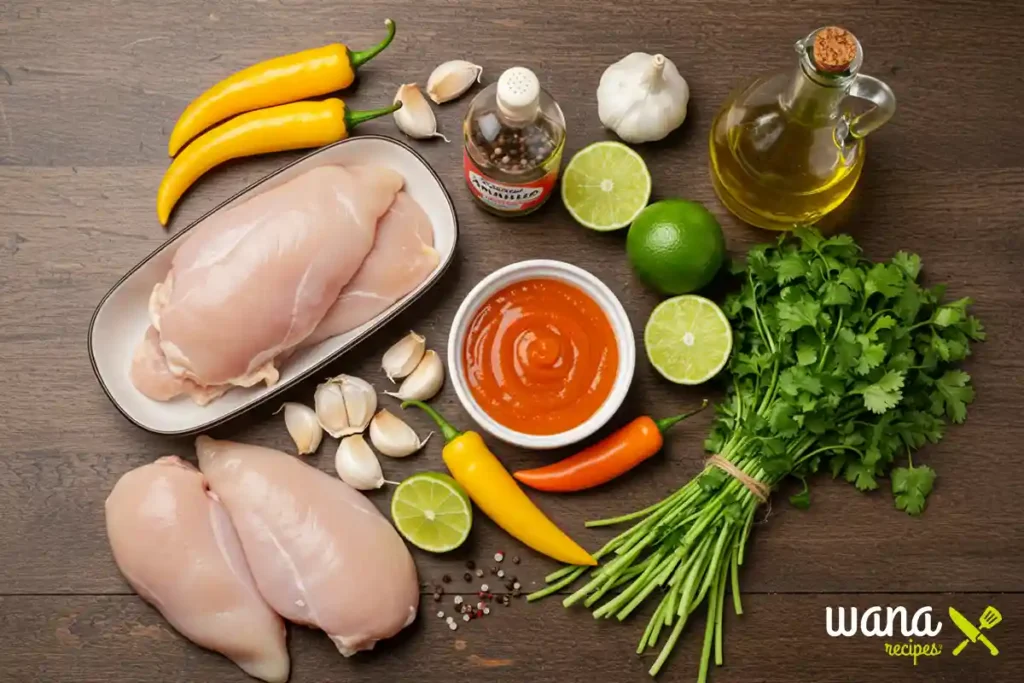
437 597
446 578
509 585
484 587
468 577
516 585
470 564
452 625
458 599
499 556
515 559
516 593
494 570
479 573
501 573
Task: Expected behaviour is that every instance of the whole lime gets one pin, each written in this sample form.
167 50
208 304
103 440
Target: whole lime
676 246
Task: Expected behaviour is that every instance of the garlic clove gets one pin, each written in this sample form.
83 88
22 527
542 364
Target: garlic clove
451 79
424 382
303 427
403 357
330 408
360 402
415 118
393 437
357 465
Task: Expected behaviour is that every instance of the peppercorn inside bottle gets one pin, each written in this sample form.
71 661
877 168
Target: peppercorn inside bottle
514 134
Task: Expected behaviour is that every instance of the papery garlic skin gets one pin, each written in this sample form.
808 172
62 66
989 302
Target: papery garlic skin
393 437
424 382
357 464
642 97
303 427
403 356
450 80
330 409
415 118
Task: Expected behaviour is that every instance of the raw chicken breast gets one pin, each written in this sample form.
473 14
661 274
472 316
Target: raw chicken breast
175 545
253 282
321 553
402 257
153 378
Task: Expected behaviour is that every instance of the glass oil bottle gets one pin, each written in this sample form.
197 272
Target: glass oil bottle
513 135
784 150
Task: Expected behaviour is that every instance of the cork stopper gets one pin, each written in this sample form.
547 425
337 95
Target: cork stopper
834 49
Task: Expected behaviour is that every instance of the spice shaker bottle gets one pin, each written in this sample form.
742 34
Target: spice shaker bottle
514 134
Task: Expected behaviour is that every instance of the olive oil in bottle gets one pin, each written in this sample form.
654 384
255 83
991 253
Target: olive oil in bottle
783 151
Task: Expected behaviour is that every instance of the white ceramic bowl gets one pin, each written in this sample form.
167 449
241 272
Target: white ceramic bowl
557 270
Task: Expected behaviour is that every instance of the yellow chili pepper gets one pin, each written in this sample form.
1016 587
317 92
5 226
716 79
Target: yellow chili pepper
290 126
290 78
495 492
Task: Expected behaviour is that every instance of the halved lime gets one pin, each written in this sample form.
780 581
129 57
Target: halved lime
432 511
688 339
605 186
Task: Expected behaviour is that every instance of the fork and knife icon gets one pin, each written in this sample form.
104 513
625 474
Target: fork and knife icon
989 618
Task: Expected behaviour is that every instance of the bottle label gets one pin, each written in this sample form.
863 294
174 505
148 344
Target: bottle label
510 197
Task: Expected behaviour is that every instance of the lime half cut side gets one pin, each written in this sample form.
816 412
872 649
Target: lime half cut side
605 186
432 512
688 339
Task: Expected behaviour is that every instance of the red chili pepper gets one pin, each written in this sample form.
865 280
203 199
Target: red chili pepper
614 455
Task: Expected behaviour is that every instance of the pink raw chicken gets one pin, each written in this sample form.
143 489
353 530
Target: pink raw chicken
320 552
402 257
253 282
175 545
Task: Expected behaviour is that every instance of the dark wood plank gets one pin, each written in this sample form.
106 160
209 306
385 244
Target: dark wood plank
76 230
780 637
110 94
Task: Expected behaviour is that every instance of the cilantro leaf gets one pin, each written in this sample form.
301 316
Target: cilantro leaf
911 486
801 500
871 355
837 294
852 278
947 315
794 316
884 394
806 354
790 267
861 476
954 394
886 280
908 263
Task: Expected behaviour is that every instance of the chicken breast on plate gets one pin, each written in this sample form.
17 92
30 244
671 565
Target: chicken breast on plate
402 257
251 283
321 553
175 544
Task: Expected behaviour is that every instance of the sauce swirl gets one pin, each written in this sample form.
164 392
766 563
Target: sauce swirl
540 356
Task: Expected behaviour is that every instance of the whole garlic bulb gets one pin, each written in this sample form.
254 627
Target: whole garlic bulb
642 97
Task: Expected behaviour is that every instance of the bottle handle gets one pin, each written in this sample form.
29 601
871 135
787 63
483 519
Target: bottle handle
878 93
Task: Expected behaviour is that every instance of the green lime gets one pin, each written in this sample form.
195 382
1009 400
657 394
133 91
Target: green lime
688 339
676 246
432 511
605 186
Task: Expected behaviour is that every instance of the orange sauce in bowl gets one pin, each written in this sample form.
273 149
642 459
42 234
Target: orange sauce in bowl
540 356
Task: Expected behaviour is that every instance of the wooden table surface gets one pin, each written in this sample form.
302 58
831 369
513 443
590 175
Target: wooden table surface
89 90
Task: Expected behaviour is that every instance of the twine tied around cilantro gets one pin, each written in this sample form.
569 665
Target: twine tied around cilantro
757 488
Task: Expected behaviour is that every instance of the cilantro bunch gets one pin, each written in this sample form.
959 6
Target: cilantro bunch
841 360
837 361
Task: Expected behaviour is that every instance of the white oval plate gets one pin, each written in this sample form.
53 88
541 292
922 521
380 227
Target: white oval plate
121 319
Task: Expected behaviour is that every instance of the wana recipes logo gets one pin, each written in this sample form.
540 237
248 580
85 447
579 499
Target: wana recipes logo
891 622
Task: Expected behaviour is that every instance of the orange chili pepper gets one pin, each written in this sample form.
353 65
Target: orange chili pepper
614 455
